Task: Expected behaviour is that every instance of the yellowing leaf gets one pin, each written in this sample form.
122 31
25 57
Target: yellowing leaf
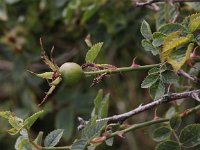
179 57
172 41
6 114
18 123
195 24
194 16
13 131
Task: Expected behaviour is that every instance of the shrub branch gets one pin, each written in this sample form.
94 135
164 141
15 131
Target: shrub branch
164 99
151 122
149 2
122 69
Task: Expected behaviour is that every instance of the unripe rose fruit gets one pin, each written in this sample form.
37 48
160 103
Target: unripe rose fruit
71 73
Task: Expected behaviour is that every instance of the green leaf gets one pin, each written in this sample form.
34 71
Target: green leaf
38 139
21 142
149 81
158 39
169 77
172 27
168 145
175 122
103 111
161 134
157 90
146 30
157 70
147 45
53 138
97 101
190 135
30 120
65 120
154 71
101 105
93 129
93 52
79 144
166 14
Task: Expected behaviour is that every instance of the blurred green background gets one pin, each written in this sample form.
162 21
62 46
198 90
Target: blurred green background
65 24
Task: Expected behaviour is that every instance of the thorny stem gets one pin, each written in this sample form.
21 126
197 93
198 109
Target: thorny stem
165 99
133 127
121 70
127 69
151 122
149 2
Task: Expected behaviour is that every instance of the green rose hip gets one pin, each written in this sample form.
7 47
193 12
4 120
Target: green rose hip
71 73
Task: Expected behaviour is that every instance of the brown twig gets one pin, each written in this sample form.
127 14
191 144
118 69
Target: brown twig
165 99
149 2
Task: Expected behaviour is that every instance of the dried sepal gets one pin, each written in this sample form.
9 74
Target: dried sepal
48 61
98 79
53 85
45 75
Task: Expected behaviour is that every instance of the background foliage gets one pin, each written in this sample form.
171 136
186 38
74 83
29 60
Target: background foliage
65 24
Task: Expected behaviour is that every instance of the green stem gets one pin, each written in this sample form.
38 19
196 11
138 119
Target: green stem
122 69
127 69
137 126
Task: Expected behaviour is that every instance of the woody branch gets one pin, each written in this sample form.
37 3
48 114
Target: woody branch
149 2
